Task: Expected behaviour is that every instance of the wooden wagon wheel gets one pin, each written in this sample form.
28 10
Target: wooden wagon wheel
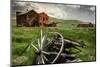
46 53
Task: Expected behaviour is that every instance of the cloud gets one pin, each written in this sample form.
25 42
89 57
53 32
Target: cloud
61 11
92 8
74 6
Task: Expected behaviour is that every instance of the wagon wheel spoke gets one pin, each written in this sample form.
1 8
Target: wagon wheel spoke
44 42
42 58
35 47
44 52
41 39
28 48
48 53
39 60
45 58
39 44
53 53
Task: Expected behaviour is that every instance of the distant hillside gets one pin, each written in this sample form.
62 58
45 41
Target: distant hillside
65 23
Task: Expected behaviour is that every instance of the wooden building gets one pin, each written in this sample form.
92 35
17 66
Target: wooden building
85 24
28 18
32 18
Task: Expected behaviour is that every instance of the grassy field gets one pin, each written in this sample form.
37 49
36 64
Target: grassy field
22 36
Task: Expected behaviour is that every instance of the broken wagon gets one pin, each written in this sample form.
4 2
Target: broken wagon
53 48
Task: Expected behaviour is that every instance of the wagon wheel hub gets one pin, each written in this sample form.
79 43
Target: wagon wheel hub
38 52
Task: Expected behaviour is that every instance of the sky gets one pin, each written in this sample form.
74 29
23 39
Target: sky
84 13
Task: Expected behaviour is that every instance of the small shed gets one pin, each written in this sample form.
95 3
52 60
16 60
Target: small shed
85 24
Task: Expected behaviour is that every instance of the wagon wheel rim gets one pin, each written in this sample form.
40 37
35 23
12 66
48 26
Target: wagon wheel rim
41 58
61 49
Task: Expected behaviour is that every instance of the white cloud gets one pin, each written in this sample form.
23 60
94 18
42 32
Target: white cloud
74 6
92 8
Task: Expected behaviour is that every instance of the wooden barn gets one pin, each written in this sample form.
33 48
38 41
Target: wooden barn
28 18
32 18
85 24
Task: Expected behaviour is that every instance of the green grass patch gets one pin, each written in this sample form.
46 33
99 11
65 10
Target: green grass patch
22 36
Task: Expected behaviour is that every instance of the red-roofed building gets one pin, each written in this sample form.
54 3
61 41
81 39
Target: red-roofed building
43 19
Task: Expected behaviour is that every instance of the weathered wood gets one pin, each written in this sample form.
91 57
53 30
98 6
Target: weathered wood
69 43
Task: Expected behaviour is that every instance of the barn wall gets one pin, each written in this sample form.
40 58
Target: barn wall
32 19
20 21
